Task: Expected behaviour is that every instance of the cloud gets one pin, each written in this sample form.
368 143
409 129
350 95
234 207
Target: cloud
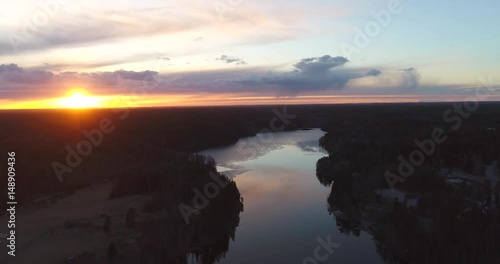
10 68
410 79
12 73
15 74
373 72
161 61
121 77
228 59
311 74
319 65
307 75
98 26
16 81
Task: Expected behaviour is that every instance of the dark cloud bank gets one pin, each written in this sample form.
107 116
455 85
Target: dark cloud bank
308 75
313 74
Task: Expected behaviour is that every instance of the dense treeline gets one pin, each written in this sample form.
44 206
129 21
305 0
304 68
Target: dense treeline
425 220
41 138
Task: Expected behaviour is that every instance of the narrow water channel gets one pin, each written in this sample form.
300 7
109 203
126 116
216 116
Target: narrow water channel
285 218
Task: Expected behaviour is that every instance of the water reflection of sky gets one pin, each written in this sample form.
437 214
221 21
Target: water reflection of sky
251 148
285 205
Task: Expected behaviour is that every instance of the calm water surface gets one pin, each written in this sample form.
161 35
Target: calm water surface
285 206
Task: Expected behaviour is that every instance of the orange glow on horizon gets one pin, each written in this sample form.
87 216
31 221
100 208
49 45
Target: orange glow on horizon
79 100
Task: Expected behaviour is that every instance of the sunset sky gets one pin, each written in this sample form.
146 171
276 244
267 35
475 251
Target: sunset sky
242 52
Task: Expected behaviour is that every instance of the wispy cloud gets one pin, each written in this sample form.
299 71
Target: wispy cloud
94 25
373 72
229 59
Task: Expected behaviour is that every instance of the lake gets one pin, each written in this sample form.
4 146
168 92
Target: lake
285 217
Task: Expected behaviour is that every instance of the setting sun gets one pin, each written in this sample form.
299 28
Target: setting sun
80 100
